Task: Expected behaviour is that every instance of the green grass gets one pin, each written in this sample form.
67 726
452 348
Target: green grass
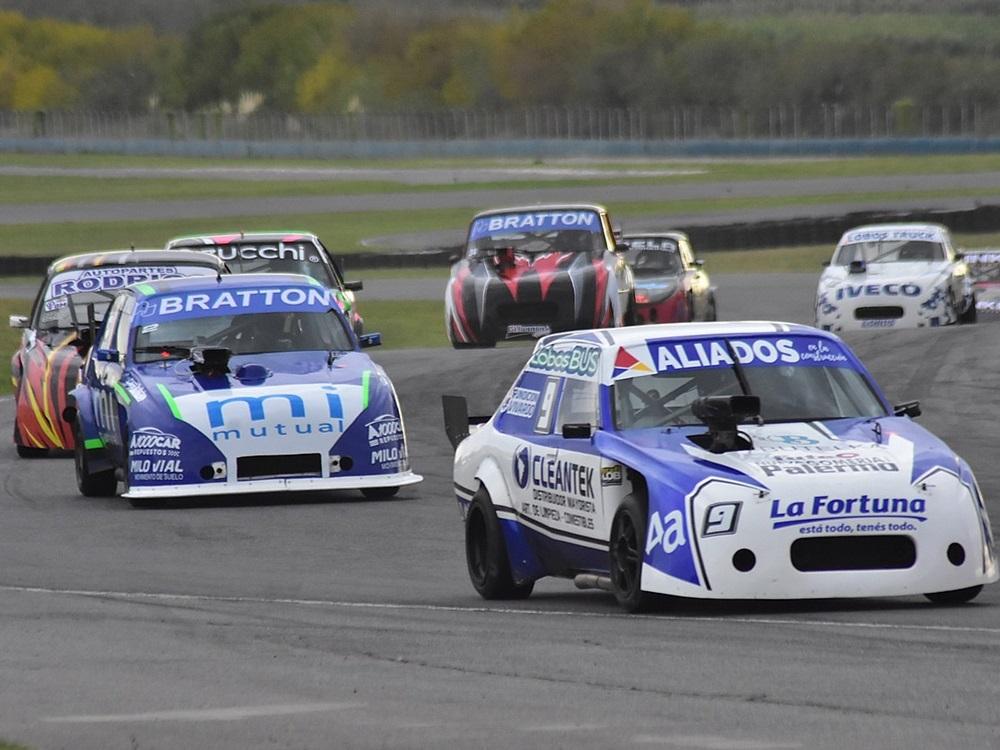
344 232
967 30
406 324
71 189
341 232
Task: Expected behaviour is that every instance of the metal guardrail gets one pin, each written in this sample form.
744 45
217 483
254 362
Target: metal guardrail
778 122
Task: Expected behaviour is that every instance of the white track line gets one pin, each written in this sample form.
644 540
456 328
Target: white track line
711 742
204 714
333 603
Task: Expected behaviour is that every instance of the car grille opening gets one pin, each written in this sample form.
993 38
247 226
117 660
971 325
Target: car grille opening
284 465
885 552
530 312
878 313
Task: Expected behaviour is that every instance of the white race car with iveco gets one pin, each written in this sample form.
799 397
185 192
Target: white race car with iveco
895 276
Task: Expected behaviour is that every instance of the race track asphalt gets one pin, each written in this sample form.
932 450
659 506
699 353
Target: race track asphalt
988 183
321 622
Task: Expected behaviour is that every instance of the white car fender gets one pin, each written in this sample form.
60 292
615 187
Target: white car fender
492 478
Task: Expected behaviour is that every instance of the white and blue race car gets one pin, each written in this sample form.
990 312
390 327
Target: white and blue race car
234 384
895 276
710 460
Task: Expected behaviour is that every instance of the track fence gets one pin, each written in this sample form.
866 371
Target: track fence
779 122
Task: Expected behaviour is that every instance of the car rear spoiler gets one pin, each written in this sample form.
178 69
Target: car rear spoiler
457 419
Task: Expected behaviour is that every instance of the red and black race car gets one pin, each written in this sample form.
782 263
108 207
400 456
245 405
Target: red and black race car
535 270
280 252
670 284
75 295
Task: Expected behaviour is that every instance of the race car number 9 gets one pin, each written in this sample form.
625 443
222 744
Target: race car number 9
721 518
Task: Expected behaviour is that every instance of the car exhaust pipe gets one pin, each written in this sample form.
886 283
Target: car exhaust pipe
592 581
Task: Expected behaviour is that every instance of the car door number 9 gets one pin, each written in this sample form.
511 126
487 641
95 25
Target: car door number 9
721 518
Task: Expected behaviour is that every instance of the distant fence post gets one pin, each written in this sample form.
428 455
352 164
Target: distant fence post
38 124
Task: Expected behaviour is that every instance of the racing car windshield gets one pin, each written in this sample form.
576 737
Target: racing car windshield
891 251
302 257
654 256
64 304
537 232
821 388
256 333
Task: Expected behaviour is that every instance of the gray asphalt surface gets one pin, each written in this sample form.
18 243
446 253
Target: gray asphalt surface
987 182
318 622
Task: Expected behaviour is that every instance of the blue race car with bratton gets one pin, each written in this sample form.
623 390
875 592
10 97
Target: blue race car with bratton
236 384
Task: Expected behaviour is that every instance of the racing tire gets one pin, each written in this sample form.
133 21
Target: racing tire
379 493
958 596
631 316
625 549
486 553
712 314
970 315
91 484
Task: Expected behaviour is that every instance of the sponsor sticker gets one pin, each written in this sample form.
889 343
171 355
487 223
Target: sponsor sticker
299 251
110 278
611 476
56 304
827 514
878 323
154 456
266 299
562 490
535 222
152 441
521 402
384 430
672 355
929 234
891 289
579 359
134 387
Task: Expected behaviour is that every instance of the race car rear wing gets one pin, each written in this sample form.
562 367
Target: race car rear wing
457 419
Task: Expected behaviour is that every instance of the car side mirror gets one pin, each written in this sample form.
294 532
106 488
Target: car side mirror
577 430
354 286
857 266
18 321
107 355
960 255
368 340
825 264
907 409
699 262
621 248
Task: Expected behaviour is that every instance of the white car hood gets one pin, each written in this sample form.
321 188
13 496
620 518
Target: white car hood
922 273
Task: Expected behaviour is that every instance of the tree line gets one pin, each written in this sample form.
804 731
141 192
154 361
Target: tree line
338 57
